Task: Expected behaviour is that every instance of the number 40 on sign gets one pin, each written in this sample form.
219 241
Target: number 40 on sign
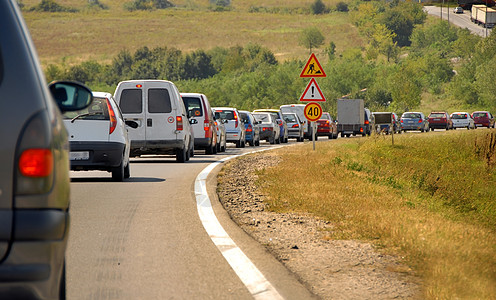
313 111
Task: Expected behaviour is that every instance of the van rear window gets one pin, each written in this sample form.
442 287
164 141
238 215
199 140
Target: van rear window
159 101
193 105
131 101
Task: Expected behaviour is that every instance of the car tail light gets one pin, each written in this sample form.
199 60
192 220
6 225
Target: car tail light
36 162
327 122
295 126
361 129
401 121
113 118
267 129
420 121
235 120
179 123
249 128
366 122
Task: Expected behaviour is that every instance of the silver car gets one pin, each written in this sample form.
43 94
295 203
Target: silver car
414 121
269 129
235 128
295 126
462 120
34 172
221 131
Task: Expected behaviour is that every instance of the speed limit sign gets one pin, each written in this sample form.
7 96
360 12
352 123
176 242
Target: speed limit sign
313 111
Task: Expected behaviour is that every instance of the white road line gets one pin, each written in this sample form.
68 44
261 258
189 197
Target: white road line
252 278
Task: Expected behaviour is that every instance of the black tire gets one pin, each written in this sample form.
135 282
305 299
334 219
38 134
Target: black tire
251 143
257 143
278 141
118 173
181 155
127 171
62 284
238 144
243 144
272 140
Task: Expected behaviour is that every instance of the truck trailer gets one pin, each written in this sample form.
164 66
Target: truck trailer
483 15
353 118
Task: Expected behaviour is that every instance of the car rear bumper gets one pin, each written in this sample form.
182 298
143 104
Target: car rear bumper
438 125
33 267
102 155
233 136
139 147
202 143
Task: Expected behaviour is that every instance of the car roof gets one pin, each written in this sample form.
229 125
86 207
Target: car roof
102 94
192 94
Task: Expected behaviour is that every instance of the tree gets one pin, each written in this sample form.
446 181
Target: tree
318 7
382 42
311 38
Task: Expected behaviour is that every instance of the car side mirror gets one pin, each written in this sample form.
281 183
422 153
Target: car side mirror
70 95
131 124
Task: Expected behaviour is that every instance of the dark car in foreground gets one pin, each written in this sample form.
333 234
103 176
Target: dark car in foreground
34 172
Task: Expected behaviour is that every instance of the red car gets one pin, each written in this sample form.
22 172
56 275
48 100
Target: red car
483 119
326 126
440 120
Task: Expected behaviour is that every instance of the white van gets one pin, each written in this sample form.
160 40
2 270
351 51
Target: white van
299 109
156 117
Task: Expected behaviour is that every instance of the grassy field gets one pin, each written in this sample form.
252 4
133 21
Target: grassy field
430 198
101 34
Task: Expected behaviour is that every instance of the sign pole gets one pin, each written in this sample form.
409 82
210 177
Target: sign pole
313 135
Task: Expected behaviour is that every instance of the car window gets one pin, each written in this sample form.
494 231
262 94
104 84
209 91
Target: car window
411 116
325 117
290 118
131 101
193 104
98 110
262 117
459 116
226 114
437 115
479 115
159 101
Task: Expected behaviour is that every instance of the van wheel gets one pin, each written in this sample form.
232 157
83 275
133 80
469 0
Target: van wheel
118 173
127 171
181 155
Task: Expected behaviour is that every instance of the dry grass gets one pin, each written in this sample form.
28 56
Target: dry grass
429 199
100 35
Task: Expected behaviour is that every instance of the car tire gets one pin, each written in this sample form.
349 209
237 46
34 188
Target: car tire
272 140
127 171
181 155
257 143
278 141
118 173
62 284
238 144
243 144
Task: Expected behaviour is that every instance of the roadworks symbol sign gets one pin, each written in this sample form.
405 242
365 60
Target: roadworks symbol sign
312 92
313 68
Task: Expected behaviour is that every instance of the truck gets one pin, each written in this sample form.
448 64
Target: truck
353 118
483 15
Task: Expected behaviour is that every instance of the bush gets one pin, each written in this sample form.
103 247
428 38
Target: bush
96 4
318 7
51 6
147 5
341 6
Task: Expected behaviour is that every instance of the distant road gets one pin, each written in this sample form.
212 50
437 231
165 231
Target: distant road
460 20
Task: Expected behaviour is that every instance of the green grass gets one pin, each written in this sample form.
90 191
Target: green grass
430 198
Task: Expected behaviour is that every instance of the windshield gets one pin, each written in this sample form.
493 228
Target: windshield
411 116
264 118
437 115
290 118
459 116
479 115
98 110
225 114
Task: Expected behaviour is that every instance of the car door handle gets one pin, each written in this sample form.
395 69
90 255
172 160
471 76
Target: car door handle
149 122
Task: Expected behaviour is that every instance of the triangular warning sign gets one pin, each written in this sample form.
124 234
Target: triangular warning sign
312 92
313 68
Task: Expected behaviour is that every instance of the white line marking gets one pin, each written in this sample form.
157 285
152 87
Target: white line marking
252 278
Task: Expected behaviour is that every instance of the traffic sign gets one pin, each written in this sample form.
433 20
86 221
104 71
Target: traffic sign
313 111
313 68
312 92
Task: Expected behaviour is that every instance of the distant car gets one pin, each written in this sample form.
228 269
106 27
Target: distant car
283 127
414 121
458 10
269 129
198 107
220 129
98 138
235 129
462 120
34 166
326 126
299 109
295 126
483 119
440 120
252 128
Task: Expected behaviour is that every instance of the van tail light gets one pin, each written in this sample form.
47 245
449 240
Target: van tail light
295 126
36 162
206 127
249 128
113 118
366 122
179 123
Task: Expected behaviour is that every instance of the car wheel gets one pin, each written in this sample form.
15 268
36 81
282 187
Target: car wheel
238 144
62 285
118 173
243 144
257 143
272 140
278 141
127 171
181 155
219 148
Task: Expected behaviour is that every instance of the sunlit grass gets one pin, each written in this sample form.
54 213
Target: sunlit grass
430 198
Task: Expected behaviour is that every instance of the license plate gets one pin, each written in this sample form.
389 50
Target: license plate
81 155
437 119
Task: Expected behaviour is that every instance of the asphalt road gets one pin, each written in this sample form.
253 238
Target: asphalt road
143 238
460 20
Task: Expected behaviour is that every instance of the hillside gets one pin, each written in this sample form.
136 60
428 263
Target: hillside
100 34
